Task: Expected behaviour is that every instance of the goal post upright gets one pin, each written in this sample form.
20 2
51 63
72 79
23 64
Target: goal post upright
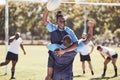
6 28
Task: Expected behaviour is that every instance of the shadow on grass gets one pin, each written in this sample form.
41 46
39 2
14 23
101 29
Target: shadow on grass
76 76
101 78
3 74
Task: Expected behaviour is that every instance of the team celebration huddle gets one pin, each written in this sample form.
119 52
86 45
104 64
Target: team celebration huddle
63 47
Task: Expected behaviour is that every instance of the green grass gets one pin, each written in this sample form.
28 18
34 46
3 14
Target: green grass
33 66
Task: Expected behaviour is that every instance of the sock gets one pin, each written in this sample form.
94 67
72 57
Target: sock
105 68
92 72
83 72
12 73
115 69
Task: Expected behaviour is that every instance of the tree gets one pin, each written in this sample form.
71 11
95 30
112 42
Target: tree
25 17
2 22
117 34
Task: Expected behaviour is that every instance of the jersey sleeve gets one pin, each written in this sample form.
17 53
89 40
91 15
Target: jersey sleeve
20 40
81 44
72 34
53 47
11 37
51 27
104 50
90 43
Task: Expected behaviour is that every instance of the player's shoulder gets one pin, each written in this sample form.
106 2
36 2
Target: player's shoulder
67 29
50 23
91 42
20 39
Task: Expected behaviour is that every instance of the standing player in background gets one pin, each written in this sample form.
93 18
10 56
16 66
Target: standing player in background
12 54
57 32
85 54
111 56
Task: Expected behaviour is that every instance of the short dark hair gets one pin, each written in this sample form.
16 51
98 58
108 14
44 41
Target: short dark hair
59 14
98 47
67 40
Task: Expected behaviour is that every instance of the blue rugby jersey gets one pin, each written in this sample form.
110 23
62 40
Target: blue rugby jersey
61 64
53 47
58 34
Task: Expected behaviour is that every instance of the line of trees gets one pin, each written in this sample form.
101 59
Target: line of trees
27 17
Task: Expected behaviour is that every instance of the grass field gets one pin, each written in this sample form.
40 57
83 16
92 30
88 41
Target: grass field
33 66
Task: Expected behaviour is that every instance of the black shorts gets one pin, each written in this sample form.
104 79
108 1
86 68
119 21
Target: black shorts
113 56
12 56
85 57
51 59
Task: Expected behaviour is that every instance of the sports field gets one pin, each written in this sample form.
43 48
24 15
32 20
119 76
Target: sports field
33 66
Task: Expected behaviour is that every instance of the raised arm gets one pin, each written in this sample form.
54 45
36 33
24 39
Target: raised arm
11 39
90 31
89 35
45 15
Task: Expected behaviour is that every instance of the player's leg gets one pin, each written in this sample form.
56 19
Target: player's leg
88 59
82 59
90 66
13 69
50 66
105 66
114 64
49 73
8 58
4 63
83 66
115 67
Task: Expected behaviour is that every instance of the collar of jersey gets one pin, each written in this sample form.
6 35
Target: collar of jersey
61 29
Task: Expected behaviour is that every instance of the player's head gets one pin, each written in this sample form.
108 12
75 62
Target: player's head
67 40
84 35
60 19
99 48
17 35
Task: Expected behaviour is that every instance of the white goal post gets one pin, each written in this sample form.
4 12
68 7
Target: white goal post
74 2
